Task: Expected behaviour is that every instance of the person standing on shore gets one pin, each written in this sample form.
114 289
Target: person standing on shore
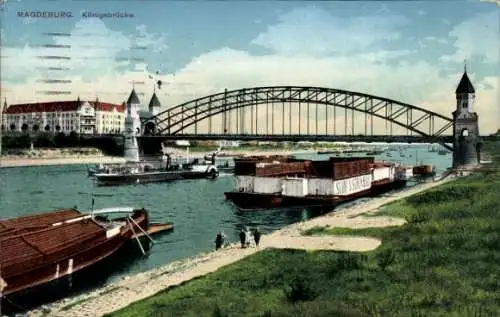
256 236
219 240
242 238
248 237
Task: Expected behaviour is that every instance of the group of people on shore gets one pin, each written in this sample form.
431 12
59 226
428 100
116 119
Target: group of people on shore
246 236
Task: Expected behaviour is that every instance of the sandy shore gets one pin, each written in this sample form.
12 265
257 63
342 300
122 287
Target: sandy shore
22 162
140 286
266 153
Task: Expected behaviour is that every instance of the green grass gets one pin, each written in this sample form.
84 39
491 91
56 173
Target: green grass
443 262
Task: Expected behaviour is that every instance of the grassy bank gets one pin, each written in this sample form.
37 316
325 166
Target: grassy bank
443 262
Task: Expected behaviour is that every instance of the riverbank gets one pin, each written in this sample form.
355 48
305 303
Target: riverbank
68 159
25 162
55 156
438 257
130 289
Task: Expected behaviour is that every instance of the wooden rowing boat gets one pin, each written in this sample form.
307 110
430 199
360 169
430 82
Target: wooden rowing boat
39 249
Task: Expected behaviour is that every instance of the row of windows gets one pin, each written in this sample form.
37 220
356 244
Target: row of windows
47 127
64 122
63 114
35 127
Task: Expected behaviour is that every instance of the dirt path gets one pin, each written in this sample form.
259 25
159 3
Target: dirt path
140 286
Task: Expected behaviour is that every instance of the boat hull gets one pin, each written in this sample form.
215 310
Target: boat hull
152 177
60 263
93 171
256 201
86 279
226 170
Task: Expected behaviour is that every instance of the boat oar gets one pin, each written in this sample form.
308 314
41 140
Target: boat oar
145 233
137 238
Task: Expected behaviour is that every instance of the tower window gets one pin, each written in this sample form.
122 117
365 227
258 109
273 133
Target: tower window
465 132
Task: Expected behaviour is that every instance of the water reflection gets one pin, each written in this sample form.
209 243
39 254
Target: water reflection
270 220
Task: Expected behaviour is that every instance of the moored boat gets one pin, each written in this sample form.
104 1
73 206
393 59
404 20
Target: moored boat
96 169
324 151
227 167
374 152
140 175
424 170
40 249
290 183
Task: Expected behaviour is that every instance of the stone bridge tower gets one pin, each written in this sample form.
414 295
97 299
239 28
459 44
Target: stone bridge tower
466 141
132 128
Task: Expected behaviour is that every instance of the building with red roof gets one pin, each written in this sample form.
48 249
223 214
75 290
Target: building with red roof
84 117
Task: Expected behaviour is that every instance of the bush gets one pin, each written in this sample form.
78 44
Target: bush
444 194
218 312
301 290
385 258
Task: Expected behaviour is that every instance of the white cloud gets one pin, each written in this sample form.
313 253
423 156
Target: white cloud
418 83
383 9
421 12
153 42
477 37
486 103
93 49
497 2
435 39
313 31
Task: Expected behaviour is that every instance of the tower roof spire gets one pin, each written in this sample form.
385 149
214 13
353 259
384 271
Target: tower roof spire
465 85
133 99
154 102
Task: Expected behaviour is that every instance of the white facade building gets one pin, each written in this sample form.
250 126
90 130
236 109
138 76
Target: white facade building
83 117
228 143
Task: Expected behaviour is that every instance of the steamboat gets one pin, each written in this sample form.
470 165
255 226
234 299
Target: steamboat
155 172
41 250
284 182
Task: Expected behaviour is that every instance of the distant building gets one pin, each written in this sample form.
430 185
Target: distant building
227 143
182 143
263 143
83 117
305 143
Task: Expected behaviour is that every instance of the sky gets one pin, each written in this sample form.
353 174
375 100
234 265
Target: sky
409 51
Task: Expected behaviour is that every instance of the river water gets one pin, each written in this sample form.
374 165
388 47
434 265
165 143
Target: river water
196 207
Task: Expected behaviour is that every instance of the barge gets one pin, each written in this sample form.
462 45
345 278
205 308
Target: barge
43 249
289 183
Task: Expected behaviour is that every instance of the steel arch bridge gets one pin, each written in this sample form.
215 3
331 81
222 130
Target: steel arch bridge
278 102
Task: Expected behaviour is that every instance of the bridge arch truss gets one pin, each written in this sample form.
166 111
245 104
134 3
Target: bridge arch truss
240 110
